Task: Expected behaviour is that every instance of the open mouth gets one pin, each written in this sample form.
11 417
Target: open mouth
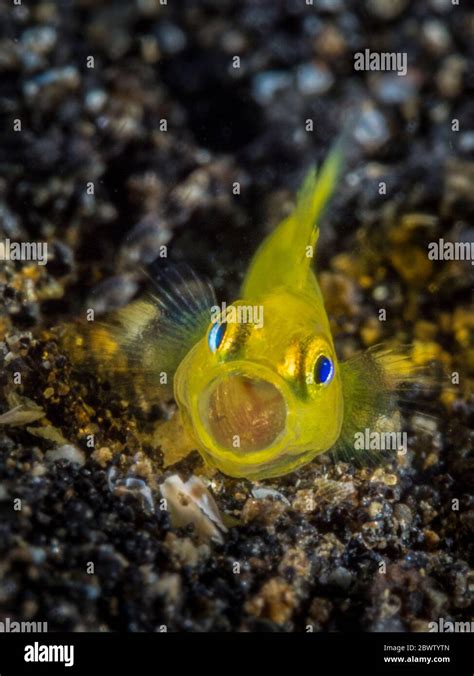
246 414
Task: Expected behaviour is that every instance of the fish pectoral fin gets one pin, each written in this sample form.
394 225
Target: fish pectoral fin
173 439
374 384
175 442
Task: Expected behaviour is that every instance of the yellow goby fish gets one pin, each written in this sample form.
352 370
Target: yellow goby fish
258 384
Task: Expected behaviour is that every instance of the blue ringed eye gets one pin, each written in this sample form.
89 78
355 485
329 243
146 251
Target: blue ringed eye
323 370
216 335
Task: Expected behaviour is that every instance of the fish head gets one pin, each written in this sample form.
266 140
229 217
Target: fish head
261 392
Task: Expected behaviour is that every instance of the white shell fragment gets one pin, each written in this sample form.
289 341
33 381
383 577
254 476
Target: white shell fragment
139 487
262 493
66 452
191 502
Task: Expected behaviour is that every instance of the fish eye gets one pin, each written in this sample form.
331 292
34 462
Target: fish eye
323 370
216 336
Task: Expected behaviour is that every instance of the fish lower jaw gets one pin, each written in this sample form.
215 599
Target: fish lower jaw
280 464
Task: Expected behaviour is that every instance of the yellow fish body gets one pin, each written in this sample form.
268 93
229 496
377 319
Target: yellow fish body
254 405
258 385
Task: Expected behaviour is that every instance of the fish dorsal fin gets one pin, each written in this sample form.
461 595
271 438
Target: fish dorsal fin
140 346
284 258
183 302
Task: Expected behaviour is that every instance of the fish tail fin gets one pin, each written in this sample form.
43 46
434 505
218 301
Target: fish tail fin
284 257
376 388
108 348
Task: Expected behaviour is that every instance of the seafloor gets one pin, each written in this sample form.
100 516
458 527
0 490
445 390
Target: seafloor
331 547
